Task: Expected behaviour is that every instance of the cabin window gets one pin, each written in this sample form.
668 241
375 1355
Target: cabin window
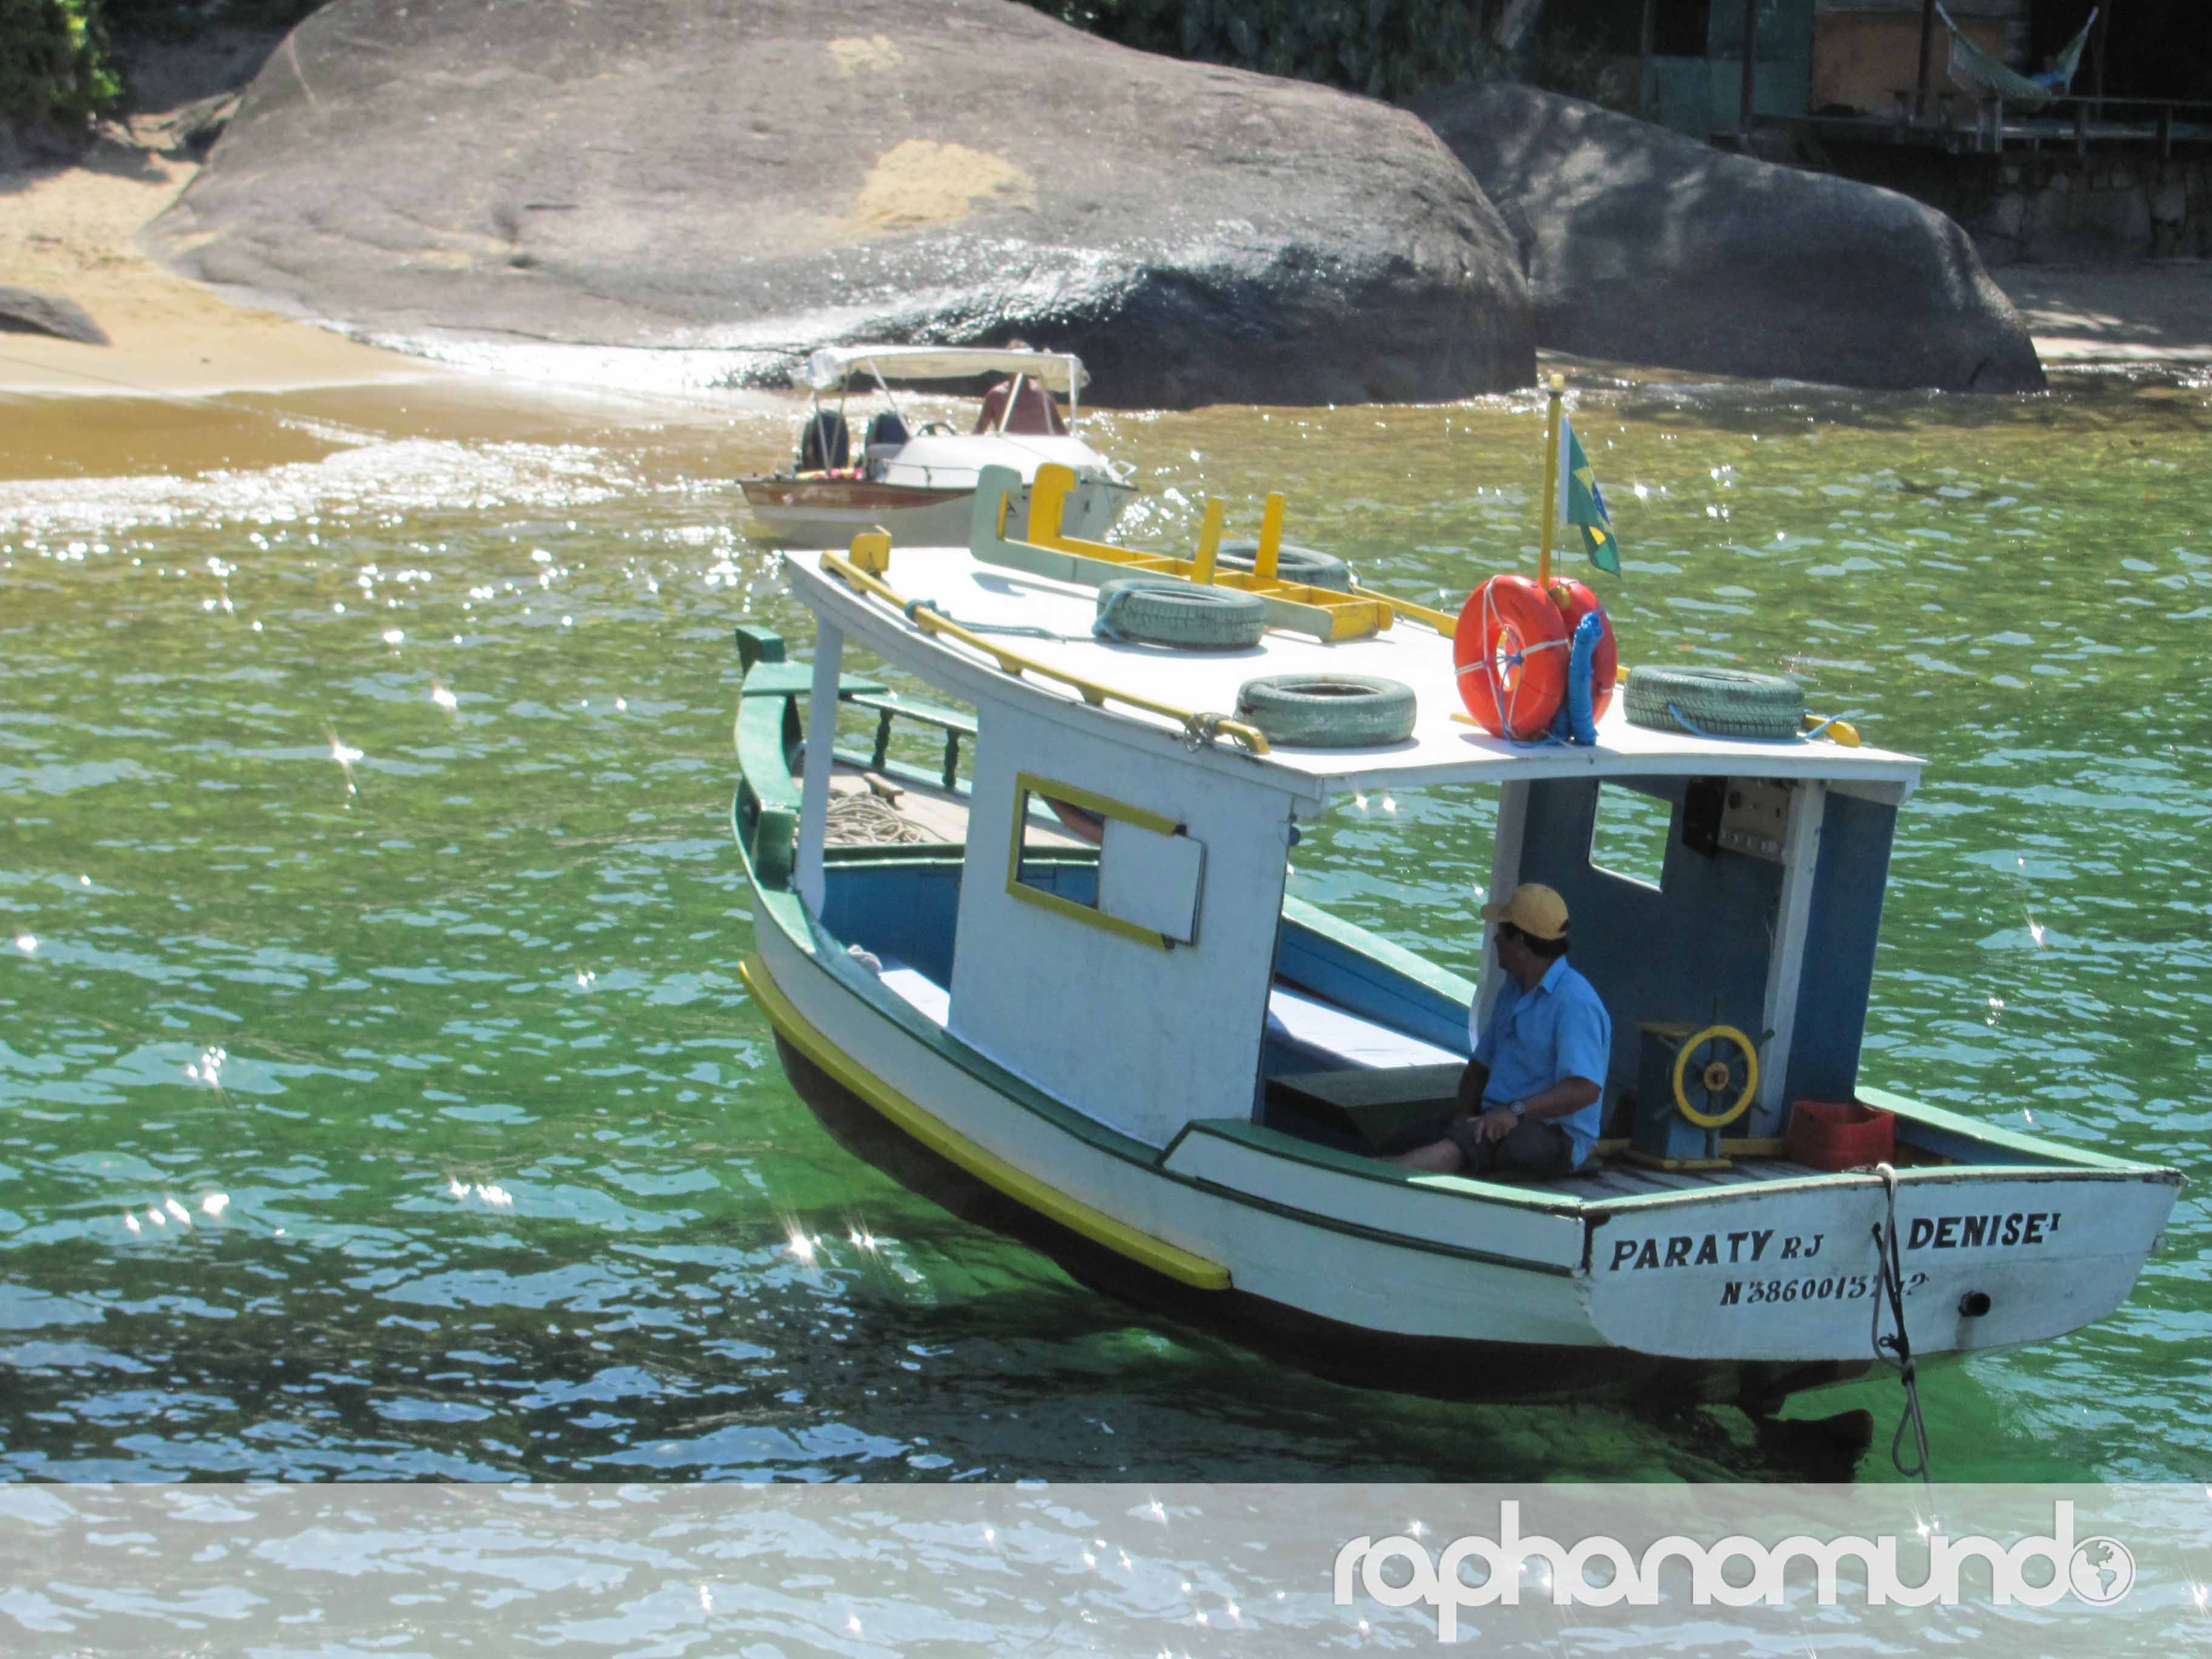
1629 835
1144 883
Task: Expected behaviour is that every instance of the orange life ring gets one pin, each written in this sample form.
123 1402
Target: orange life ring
1510 650
1575 601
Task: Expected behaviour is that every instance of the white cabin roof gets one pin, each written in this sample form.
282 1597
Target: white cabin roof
1058 371
1441 749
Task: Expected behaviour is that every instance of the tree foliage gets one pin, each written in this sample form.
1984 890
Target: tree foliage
1384 48
181 20
58 59
54 62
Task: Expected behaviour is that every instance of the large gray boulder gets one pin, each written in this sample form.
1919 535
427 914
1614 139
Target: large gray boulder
27 311
768 176
1646 246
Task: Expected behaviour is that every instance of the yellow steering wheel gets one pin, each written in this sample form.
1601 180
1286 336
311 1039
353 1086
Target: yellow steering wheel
1716 1073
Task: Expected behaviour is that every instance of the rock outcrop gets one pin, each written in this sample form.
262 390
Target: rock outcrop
764 177
1646 246
27 310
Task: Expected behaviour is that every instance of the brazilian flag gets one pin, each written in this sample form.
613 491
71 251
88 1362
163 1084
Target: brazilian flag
1582 504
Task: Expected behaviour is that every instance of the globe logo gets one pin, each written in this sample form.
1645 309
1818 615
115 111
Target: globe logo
2100 1571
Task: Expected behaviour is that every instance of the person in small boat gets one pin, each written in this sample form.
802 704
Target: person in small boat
1035 410
1529 1099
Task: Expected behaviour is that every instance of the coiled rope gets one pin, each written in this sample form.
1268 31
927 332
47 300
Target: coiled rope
868 821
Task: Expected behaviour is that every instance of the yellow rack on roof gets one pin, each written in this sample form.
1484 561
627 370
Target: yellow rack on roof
1326 614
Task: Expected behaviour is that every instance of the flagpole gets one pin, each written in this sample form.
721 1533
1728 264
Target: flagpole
1559 387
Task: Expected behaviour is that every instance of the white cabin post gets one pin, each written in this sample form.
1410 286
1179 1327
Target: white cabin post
821 746
1785 965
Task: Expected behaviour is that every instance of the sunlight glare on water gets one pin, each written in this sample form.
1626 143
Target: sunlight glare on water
414 1122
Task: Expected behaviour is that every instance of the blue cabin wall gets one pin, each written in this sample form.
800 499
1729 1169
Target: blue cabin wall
1664 955
1339 972
1839 945
910 910
905 909
1707 933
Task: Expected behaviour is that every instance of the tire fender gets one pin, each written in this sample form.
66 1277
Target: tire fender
1168 611
1329 711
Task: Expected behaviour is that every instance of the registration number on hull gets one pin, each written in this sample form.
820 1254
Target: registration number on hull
1982 1262
1830 1287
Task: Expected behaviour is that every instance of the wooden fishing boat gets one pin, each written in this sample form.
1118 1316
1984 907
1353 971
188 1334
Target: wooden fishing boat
1074 983
916 479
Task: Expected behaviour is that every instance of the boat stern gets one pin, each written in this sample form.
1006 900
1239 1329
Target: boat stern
1793 1270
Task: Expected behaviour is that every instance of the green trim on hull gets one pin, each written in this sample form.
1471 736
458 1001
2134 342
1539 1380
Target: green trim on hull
1292 1149
1377 1235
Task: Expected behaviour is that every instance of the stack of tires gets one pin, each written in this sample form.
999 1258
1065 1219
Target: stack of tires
1716 702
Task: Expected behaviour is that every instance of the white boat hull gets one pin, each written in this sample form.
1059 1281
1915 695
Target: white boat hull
1791 1271
1430 1261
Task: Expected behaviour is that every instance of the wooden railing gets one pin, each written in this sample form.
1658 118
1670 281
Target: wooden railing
891 707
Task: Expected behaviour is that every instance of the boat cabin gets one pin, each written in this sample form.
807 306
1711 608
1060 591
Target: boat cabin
1107 915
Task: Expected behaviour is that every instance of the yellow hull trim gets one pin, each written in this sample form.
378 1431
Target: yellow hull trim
985 1165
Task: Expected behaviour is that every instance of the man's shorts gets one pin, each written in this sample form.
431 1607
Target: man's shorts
1542 1150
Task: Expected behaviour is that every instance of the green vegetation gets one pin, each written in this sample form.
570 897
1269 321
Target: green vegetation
54 61
57 60
1384 48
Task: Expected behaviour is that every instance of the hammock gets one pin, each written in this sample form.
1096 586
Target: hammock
1976 70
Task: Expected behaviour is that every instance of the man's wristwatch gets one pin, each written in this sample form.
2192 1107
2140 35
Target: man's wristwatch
1520 1110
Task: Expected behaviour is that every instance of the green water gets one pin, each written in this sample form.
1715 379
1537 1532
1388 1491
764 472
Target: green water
366 764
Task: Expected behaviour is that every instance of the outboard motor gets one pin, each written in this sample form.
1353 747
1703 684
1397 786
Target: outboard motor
886 430
824 443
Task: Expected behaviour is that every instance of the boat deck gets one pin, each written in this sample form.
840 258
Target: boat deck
921 812
909 812
1443 748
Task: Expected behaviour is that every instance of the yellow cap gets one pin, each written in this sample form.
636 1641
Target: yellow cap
1534 908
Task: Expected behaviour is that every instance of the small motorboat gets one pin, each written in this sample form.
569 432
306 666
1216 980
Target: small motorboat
1068 987
916 479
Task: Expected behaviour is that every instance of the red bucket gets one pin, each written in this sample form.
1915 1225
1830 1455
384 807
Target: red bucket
1840 1134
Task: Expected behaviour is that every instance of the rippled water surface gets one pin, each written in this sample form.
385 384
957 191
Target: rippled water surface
377 1096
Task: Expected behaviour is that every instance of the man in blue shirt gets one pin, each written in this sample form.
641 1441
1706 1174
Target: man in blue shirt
1528 1101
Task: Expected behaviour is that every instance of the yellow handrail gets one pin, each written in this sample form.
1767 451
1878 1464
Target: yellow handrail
1442 620
1013 662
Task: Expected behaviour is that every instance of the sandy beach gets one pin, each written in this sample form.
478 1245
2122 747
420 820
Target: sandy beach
72 229
2157 311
